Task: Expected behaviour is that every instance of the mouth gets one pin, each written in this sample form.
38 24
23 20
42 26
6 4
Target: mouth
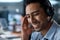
35 23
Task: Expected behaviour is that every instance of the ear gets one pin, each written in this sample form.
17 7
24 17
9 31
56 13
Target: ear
48 18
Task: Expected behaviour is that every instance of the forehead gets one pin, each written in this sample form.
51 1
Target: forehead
32 7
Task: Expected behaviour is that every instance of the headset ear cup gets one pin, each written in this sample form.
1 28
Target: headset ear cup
50 12
50 9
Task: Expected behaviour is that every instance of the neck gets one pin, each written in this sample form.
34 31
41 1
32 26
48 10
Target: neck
45 30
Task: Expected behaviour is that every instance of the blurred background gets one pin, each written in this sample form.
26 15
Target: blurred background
10 19
11 12
56 5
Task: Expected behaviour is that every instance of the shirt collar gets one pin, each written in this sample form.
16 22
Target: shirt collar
51 31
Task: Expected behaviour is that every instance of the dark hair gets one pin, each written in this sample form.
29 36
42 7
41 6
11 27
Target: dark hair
44 3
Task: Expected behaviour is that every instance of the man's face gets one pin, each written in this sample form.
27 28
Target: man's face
36 16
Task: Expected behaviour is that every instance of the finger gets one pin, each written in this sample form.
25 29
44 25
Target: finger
25 23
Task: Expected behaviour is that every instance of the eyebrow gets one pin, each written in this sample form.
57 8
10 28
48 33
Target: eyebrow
35 11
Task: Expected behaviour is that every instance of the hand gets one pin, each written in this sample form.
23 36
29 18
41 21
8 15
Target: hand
26 31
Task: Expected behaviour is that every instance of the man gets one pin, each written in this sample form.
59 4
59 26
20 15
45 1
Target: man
38 22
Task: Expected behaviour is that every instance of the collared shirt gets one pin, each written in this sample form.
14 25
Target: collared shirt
52 34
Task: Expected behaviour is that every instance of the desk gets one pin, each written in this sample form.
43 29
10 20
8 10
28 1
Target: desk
11 35
17 33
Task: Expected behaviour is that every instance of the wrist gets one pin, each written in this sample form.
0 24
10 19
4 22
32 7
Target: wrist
25 38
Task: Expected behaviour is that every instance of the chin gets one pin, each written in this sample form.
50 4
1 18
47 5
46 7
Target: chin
38 29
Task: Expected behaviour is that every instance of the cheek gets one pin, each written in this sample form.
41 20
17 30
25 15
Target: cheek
38 18
41 18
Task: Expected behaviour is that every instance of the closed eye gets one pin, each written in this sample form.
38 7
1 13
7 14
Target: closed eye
35 13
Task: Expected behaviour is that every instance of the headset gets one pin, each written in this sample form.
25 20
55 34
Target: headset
50 9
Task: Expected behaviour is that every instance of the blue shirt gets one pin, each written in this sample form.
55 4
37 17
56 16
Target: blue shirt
52 34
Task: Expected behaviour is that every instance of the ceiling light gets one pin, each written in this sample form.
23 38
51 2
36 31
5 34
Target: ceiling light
11 0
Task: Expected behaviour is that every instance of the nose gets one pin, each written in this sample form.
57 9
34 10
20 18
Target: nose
32 18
